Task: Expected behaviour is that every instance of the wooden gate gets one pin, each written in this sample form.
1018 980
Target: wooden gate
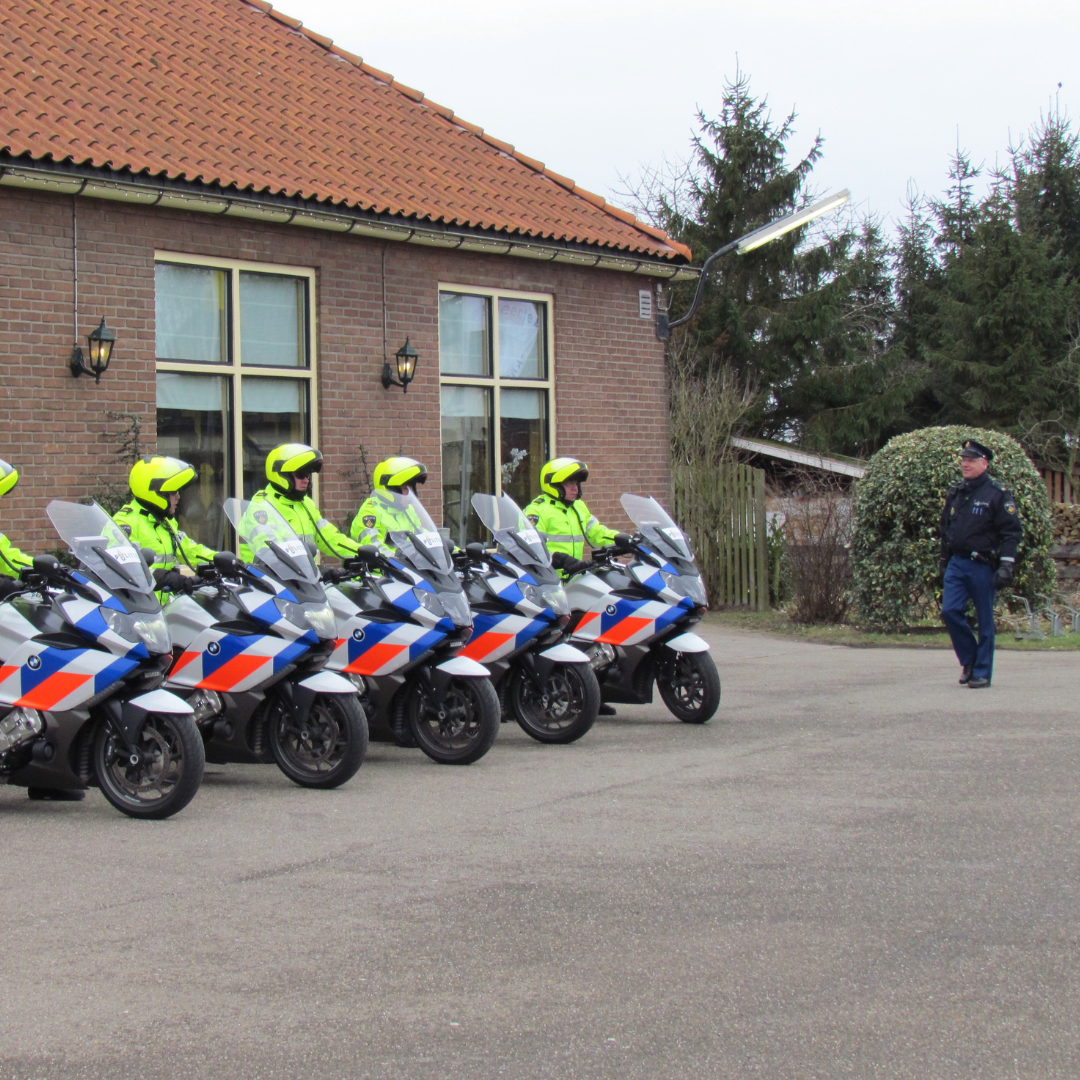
724 516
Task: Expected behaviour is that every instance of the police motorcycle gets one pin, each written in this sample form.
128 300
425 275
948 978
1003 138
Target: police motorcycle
634 618
520 626
402 624
251 642
83 656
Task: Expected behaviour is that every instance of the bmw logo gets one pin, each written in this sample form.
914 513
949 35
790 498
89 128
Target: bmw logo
611 609
358 635
213 648
34 663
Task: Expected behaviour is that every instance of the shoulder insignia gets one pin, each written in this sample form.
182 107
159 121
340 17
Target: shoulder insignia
534 518
261 517
1010 507
125 529
369 521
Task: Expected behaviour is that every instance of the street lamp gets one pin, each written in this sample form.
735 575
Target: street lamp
406 358
750 242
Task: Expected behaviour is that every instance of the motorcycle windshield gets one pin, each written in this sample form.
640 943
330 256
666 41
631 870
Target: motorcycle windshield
275 547
101 546
656 526
413 534
511 528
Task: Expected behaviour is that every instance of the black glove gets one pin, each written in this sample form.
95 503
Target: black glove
1003 575
568 564
172 580
332 575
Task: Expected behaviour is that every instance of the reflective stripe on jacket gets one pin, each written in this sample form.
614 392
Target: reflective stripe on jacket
567 528
169 544
306 521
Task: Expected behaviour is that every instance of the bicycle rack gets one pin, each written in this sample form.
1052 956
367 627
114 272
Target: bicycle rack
1035 631
1073 615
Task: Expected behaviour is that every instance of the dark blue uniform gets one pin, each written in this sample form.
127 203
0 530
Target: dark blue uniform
979 526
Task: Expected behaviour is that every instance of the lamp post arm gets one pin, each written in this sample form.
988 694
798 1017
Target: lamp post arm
701 283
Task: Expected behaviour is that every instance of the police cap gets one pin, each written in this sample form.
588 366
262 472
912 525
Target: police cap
973 449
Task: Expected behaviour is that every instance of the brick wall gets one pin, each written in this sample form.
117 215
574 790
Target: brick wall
611 398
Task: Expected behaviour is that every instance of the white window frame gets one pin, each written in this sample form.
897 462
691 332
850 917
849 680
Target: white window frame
495 380
233 367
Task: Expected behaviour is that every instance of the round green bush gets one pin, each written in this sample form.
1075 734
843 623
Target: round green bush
897 512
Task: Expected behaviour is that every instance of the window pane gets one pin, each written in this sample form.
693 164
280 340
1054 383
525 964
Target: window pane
275 412
190 309
522 442
466 458
192 424
464 340
521 339
273 320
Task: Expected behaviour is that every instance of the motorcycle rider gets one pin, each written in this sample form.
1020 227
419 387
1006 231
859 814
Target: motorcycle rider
289 469
12 560
562 518
377 514
149 519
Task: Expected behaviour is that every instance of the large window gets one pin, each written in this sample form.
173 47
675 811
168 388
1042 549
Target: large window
495 362
234 375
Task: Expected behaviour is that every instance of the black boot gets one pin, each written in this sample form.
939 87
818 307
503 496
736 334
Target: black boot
606 710
56 794
975 683
965 675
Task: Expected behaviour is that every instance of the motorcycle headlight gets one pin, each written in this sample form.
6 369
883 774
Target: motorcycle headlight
685 585
547 596
457 607
148 629
430 601
317 617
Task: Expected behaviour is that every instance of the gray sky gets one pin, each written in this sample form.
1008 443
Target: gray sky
599 88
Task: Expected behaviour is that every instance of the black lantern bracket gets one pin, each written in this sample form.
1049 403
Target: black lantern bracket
406 358
100 343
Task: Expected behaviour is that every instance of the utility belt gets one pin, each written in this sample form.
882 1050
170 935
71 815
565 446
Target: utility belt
988 558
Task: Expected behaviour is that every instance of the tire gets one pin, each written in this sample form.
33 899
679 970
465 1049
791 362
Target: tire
168 777
689 686
572 700
327 749
467 726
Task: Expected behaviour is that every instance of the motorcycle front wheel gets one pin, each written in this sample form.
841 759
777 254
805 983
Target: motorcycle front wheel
689 686
166 775
326 748
457 730
561 709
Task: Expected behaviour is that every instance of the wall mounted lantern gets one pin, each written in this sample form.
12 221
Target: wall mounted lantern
100 343
406 358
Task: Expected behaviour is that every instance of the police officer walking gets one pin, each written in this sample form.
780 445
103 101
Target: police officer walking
980 532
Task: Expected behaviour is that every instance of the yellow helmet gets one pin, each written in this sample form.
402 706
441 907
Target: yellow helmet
9 477
153 479
397 472
285 461
558 471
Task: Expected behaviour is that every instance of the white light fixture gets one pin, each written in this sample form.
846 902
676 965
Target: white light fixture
767 233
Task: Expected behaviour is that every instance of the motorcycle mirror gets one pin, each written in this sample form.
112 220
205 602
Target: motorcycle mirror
46 565
226 562
312 547
475 551
149 556
623 542
369 553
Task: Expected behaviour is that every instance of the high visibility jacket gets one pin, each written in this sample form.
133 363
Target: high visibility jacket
377 516
306 521
170 544
567 528
12 560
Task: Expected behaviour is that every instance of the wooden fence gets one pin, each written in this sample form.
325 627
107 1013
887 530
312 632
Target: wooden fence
724 517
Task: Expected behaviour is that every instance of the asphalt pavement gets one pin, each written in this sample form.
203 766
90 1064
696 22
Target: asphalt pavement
858 869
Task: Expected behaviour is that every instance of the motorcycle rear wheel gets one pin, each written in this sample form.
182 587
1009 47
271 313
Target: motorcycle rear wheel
689 685
457 730
169 771
560 711
327 748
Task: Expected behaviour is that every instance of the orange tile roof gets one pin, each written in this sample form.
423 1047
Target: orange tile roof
236 94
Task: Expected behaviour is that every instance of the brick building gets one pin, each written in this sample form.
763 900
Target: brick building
263 219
